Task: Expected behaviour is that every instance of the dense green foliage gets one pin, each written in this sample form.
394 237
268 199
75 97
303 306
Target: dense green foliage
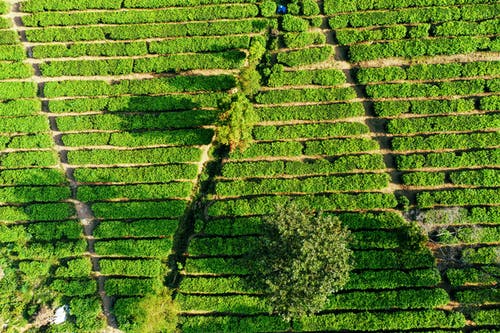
293 263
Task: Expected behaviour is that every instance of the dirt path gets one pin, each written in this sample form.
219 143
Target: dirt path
84 212
375 124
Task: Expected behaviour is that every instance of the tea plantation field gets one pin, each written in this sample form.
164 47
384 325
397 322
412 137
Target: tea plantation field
113 183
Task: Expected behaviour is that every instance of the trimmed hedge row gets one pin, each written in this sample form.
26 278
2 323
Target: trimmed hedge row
450 88
305 56
139 87
446 141
139 209
458 197
230 324
415 15
443 124
20 107
127 139
323 77
363 260
131 287
145 31
13 90
331 147
482 255
424 178
265 205
484 177
219 60
401 299
303 39
37 212
448 159
108 122
419 47
199 44
158 248
317 131
136 191
386 279
28 159
12 52
148 174
140 228
29 124
352 36
338 6
151 155
461 277
26 141
305 95
32 177
180 14
359 182
428 71
377 321
308 167
75 50
395 108
15 70
54 5
241 304
311 112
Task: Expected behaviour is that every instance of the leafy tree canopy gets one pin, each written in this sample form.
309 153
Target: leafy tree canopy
303 259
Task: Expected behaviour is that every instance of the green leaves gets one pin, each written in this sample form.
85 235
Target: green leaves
300 260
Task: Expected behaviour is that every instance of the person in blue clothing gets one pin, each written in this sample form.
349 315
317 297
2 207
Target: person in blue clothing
281 9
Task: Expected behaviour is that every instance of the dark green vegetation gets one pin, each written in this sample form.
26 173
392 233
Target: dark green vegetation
113 181
293 266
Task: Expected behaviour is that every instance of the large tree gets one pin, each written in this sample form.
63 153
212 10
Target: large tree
302 258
